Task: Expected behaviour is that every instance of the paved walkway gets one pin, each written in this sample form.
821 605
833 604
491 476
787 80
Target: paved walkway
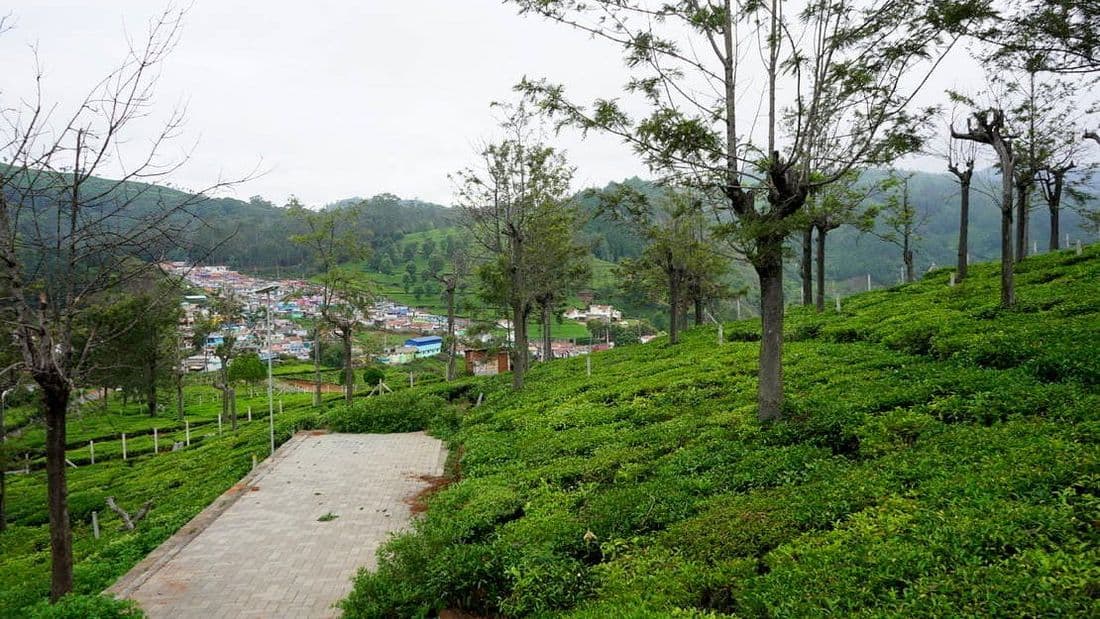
260 551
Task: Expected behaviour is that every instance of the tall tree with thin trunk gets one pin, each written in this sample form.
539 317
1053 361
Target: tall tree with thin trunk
560 267
988 127
806 263
843 203
227 310
960 163
677 258
345 295
452 280
520 180
66 237
902 221
849 71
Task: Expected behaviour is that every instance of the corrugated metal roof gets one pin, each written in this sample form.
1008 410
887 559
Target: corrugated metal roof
427 339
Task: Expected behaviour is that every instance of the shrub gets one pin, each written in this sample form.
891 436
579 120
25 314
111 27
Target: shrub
404 411
74 606
892 431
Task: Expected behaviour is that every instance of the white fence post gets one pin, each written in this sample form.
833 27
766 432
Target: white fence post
123 445
91 450
156 442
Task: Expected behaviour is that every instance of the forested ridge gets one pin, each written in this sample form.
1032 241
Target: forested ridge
253 234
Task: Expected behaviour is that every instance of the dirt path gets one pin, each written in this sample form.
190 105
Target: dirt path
261 551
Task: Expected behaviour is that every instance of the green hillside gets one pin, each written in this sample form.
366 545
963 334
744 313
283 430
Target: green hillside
940 458
426 294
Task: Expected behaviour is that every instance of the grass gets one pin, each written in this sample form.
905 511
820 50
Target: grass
939 458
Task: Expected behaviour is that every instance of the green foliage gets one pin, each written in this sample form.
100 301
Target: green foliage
924 469
75 606
372 375
403 411
247 368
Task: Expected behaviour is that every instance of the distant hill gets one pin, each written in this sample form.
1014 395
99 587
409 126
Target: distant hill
253 234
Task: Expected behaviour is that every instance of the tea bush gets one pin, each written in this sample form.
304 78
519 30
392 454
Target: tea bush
403 411
938 458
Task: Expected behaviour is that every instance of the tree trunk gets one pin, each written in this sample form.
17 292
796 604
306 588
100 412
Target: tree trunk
451 332
3 490
231 397
806 265
519 345
964 227
316 364
819 296
1008 287
224 388
1054 204
674 309
349 372
151 389
547 350
178 375
907 258
1023 194
3 471
769 268
56 400
699 316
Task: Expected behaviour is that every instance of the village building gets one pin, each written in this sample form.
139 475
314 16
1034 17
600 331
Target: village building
480 362
426 346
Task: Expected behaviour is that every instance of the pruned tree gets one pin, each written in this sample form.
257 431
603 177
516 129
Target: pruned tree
850 70
503 201
67 237
988 127
960 163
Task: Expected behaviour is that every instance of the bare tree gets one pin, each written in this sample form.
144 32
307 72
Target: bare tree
988 127
67 237
960 163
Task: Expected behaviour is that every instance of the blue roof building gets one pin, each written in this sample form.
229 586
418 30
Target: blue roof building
426 346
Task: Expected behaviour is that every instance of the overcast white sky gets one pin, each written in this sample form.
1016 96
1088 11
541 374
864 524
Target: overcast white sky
338 98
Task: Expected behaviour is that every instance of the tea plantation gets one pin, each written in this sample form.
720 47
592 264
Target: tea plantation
940 457
179 483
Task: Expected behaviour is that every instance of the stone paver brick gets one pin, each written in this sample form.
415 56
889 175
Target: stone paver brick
268 556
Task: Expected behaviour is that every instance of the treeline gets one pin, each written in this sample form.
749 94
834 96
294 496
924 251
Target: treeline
248 235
